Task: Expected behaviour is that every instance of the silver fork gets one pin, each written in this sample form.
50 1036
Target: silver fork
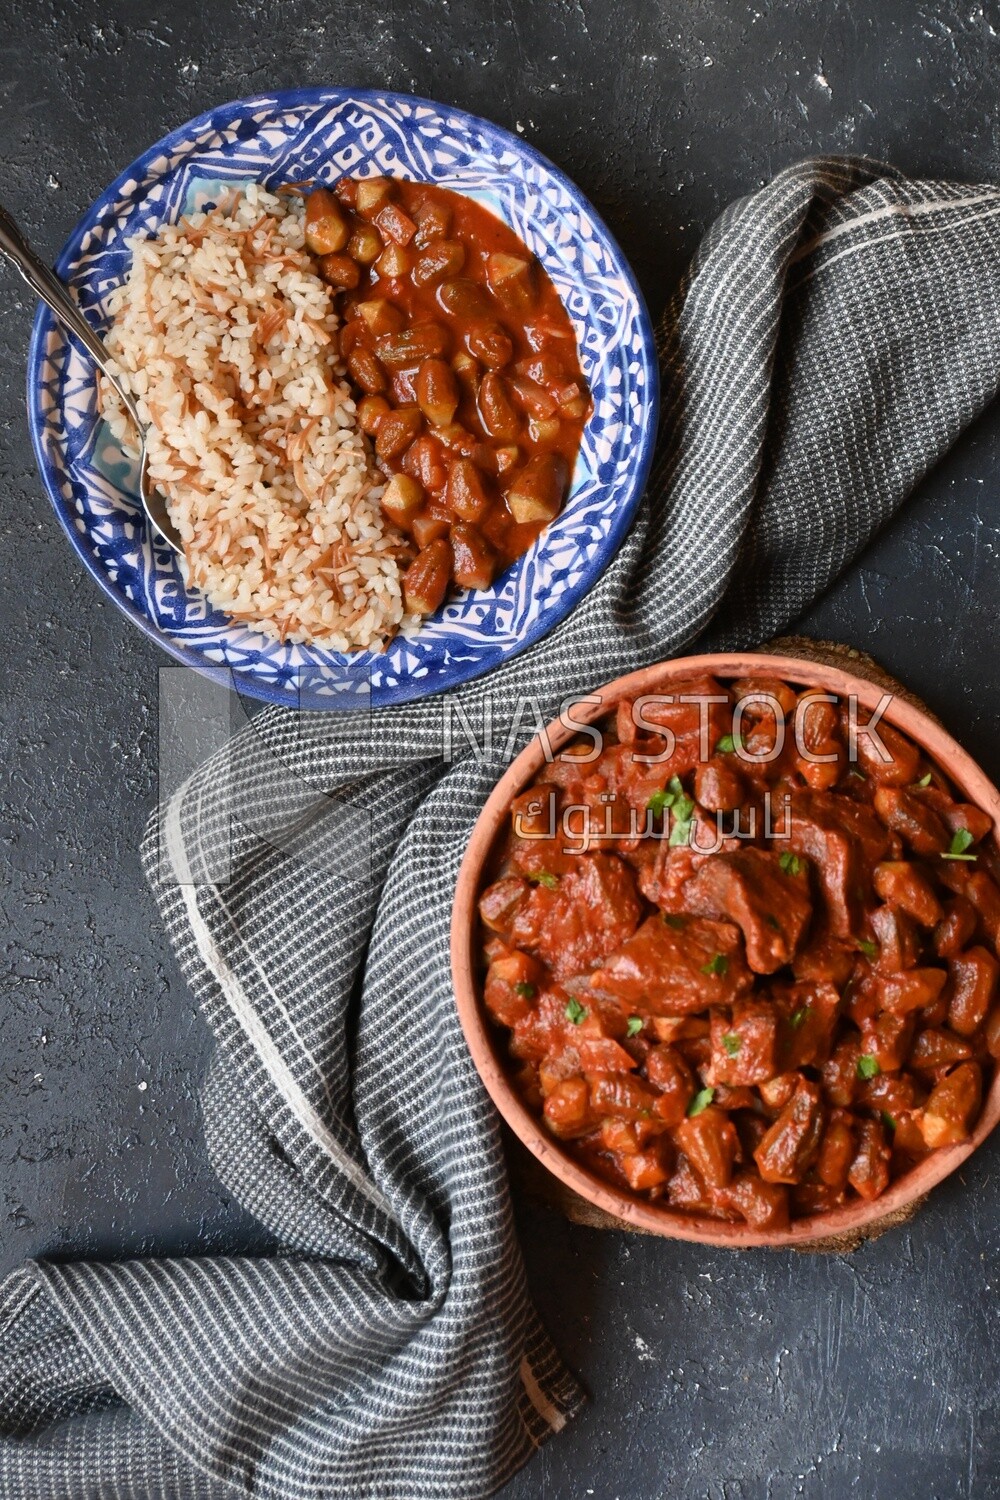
46 284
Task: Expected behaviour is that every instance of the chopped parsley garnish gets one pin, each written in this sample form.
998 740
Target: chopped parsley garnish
673 794
798 1016
790 863
634 1026
961 839
701 1100
729 743
677 923
888 1122
717 964
868 948
676 789
859 774
924 780
731 1043
525 990
575 1012
868 1066
682 807
543 877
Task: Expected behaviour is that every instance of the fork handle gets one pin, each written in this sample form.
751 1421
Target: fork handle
47 285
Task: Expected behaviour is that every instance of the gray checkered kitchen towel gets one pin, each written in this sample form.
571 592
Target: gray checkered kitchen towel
836 332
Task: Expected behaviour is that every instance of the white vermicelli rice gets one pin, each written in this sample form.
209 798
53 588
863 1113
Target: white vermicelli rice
225 336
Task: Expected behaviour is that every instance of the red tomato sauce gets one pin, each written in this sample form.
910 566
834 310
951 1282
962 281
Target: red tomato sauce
468 369
746 957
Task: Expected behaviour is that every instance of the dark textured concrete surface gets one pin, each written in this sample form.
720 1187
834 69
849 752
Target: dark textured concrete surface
713 1376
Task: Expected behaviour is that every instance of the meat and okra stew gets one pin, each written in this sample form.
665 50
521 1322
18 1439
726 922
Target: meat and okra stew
744 945
467 368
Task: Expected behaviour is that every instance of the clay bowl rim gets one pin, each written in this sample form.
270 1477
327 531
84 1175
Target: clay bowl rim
855 1218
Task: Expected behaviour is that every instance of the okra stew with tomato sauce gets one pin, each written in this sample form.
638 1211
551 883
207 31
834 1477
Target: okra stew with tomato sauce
467 368
745 952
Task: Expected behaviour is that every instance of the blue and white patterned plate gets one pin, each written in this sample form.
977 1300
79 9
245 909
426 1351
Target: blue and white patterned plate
322 134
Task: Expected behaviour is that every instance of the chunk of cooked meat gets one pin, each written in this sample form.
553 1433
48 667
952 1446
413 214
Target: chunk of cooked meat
897 937
573 921
788 1149
811 1009
750 888
845 841
710 1143
667 1070
662 876
567 1108
823 957
952 1107
981 890
837 1150
537 846
899 764
913 819
501 901
911 990
512 983
869 1174
677 965
956 927
937 1049
718 785
687 1192
888 1038
974 976
764 1205
744 1043
691 716
622 1096
903 884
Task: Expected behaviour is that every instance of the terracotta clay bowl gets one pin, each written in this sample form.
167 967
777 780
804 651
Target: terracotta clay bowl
487 1043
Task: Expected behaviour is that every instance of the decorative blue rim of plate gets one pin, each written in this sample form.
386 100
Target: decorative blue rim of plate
321 134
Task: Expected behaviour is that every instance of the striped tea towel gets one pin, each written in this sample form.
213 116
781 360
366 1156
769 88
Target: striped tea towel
836 332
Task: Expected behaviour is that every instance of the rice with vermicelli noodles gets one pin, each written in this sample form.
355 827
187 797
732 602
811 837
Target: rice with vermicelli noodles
226 337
